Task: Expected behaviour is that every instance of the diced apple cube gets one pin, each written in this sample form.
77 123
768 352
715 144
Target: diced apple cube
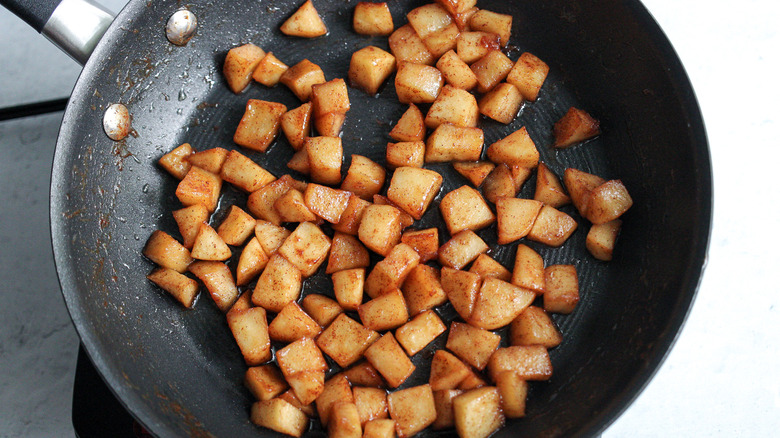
326 202
491 69
301 77
498 304
364 374
175 161
422 289
199 187
209 159
384 312
530 362
251 263
218 280
280 416
549 188
269 70
475 171
250 329
209 245
365 178
420 331
461 288
515 149
407 46
265 382
321 308
345 340
601 239
380 228
306 248
562 290
462 249
390 360
515 218
239 65
413 189
417 83
552 227
528 271
181 287
348 287
454 143
337 389
372 19
259 125
369 67
167 252
447 371
371 403
499 183
528 75
513 391
410 126
502 103
379 428
296 125
278 285
445 418
574 127
442 40
456 72
344 421
608 202
580 185
492 22
270 236
425 242
412 409
534 327
465 209
353 214
405 154
293 323
305 22
471 344
485 267
478 412
325 157
244 173
473 45
346 252
236 227
455 106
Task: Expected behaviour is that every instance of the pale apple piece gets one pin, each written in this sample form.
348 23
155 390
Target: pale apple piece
410 126
405 154
345 340
498 304
244 173
259 125
371 403
499 183
353 214
427 19
306 248
182 288
530 362
407 46
447 371
265 382
307 385
218 280
552 227
269 70
209 159
296 125
209 245
425 242
413 409
175 162
454 143
369 67
417 83
325 157
455 106
422 289
305 23
189 219
574 127
413 189
580 185
346 253
326 202
474 171
465 209
549 188
289 397
562 290
199 187
502 103
250 330
292 208
301 77
380 228
237 226
270 236
608 202
462 249
491 69
365 178
528 75
278 285
420 331
601 239
478 412
293 323
513 391
456 72
364 374
534 327
387 356
442 40
348 287
372 19
461 288
337 389
280 416
472 345
528 271
299 162
379 428
445 418
473 45
515 218
515 149
240 63
485 267
321 308
344 421
384 312
251 263
492 22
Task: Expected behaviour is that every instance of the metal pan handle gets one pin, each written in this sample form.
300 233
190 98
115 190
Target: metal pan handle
75 26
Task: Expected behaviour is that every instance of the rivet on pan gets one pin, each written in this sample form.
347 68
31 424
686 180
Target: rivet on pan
181 27
116 122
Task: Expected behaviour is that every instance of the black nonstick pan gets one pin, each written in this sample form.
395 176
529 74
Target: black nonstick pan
179 371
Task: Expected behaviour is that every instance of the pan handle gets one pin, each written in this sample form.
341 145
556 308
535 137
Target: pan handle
75 26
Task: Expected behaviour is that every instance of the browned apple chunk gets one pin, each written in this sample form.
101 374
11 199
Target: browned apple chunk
461 288
478 412
427 19
209 159
372 19
280 416
270 236
407 46
175 162
390 360
218 280
345 340
410 126
348 287
502 103
530 362
199 187
515 218
251 263
562 290
369 67
293 323
515 149
389 273
412 409
380 228
455 7
269 70
580 186
301 77
306 248
422 289
379 428
265 382
492 22
462 249
278 285
608 202
365 178
305 22
454 143
465 209
250 330
239 65
296 124
574 127
552 227
384 312
405 154
443 400
499 183
475 171
420 331
417 83
346 252
352 215
528 270
471 344
413 189
549 188
364 374
236 227
299 356
447 371
330 97
325 157
209 245
498 304
601 239
259 125
534 327
181 287
244 173
344 421
485 267
307 385
371 403
321 308
514 391
425 242
337 389
455 106
289 397
456 72
491 69
326 202
528 75
473 45
292 208
167 252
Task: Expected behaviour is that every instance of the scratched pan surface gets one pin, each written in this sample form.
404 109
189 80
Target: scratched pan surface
179 371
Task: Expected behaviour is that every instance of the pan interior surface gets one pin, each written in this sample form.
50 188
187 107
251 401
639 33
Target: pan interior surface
179 371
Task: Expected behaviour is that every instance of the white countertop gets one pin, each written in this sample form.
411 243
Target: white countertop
722 378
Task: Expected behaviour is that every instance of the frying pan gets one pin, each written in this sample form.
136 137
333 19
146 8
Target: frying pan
179 372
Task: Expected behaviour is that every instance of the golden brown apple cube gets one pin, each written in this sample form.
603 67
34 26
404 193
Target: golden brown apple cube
454 143
199 187
278 285
353 214
365 178
306 248
422 289
515 218
499 183
491 69
344 421
265 382
474 171
413 189
364 374
534 327
379 428
280 416
405 154
244 173
301 77
461 288
562 290
498 304
293 323
175 161
520 175
472 381
455 106
427 19
337 389
218 280
445 418
304 23
296 125
492 22
251 262
181 287
608 202
390 360
461 19
485 267
167 252
330 97
410 126
371 403
321 308
601 239
465 209
325 157
292 208
549 188
515 149
236 227
502 103
456 72
513 391
299 356
326 202
413 409
345 340
209 245
574 127
407 46
307 385
250 329
389 273
299 162
372 19
528 271
259 125
442 40
471 344
348 287
269 70
528 75
369 67
462 249
384 312
478 412
209 159
420 331
380 228
447 371
239 65
243 302
552 227
330 124
290 397
530 362
346 252
417 83
425 242
270 236
580 185
472 46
